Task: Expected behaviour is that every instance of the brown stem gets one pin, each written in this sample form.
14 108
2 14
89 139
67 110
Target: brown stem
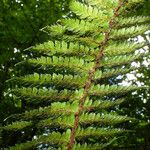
91 75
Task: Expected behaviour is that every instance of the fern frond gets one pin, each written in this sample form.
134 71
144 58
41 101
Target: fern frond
65 89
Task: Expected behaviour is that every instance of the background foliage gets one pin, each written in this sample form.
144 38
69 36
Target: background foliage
20 24
138 103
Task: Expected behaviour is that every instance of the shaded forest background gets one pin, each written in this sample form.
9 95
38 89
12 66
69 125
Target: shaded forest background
20 24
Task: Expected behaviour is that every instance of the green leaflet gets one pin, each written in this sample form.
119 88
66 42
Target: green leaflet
120 60
90 105
47 80
122 48
131 21
60 64
17 126
56 30
93 118
63 49
130 32
111 72
56 109
36 96
40 96
97 132
81 27
89 13
100 90
61 122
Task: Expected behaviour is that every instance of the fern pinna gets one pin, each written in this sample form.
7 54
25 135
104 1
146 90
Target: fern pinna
63 94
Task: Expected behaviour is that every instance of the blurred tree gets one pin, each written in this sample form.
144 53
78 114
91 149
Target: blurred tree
20 24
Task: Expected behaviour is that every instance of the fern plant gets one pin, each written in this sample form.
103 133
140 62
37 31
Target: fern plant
63 90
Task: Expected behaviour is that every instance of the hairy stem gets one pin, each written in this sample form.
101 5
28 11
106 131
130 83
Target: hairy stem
91 75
